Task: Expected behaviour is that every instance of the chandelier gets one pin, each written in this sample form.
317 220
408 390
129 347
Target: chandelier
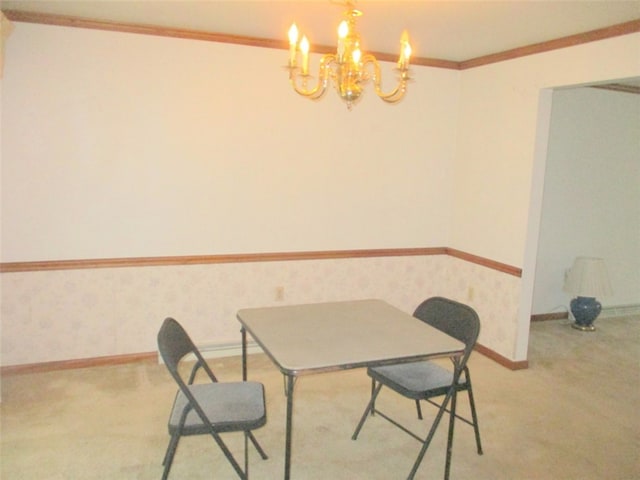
348 69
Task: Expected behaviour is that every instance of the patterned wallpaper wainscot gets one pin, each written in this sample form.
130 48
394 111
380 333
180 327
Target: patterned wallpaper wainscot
68 314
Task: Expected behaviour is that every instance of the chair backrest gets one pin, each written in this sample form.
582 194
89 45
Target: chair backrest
174 344
453 318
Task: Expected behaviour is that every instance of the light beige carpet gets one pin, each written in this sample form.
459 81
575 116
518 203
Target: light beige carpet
574 414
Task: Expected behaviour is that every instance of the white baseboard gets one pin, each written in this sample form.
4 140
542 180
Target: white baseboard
228 350
620 311
224 350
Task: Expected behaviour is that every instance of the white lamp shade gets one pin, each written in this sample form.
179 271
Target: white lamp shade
588 278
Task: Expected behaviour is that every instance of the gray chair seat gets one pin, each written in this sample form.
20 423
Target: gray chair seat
229 407
412 380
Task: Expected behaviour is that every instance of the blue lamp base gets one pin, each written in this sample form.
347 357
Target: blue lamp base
585 310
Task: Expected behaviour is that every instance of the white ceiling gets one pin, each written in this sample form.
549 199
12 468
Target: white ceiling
449 30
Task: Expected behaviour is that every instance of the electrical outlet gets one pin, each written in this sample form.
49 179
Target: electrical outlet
279 297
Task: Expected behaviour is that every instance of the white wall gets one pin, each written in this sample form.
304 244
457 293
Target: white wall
123 145
498 156
591 204
126 145
498 121
1 279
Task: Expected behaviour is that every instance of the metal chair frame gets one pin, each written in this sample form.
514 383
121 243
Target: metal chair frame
440 313
174 344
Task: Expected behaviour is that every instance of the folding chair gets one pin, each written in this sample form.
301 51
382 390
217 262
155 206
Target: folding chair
426 380
208 408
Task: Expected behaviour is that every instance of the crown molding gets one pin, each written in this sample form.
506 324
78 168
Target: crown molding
619 87
78 22
564 42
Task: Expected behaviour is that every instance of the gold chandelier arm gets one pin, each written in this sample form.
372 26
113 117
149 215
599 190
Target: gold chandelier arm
323 78
397 93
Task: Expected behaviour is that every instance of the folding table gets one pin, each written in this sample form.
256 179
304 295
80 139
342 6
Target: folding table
325 337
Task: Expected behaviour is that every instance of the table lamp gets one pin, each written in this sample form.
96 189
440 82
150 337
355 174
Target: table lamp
587 279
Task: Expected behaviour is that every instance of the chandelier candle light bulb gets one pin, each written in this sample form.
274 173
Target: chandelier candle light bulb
405 51
356 55
349 69
293 45
304 48
343 31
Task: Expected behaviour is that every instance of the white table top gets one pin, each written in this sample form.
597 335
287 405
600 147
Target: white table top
319 337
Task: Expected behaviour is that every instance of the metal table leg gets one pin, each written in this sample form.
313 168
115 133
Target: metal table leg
248 435
452 419
244 354
290 380
451 394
